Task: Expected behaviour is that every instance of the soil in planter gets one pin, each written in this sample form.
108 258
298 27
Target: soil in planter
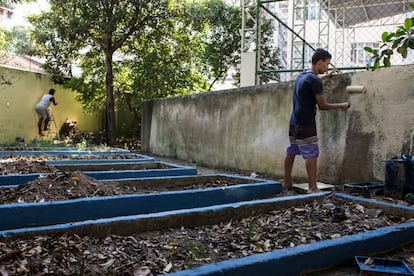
70 185
115 167
158 252
23 166
37 164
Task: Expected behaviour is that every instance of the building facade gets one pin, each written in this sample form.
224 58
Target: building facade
342 27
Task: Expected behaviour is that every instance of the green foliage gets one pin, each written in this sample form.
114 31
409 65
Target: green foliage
218 26
152 48
9 3
90 85
401 41
4 44
74 29
53 44
157 62
167 59
269 58
221 25
17 41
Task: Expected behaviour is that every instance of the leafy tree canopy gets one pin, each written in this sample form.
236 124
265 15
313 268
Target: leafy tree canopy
129 51
74 29
17 41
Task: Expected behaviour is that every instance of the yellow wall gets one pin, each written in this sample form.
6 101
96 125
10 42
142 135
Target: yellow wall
18 99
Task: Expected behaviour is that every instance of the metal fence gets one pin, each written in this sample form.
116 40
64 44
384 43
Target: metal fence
343 27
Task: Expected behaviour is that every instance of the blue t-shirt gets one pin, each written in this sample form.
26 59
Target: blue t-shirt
307 85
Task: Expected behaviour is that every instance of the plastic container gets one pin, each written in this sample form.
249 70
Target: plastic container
382 267
399 177
367 189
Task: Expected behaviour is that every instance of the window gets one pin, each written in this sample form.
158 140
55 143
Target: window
299 8
359 55
313 9
307 56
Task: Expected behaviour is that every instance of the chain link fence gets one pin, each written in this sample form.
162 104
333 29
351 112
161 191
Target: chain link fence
342 27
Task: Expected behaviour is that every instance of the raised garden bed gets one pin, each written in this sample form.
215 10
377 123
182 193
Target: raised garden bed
61 152
71 185
116 166
234 237
113 171
90 200
34 164
116 251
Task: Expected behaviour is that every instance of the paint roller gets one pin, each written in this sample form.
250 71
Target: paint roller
352 89
356 89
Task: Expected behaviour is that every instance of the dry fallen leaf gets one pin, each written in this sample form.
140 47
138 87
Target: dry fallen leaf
369 261
35 250
107 264
335 236
319 235
167 268
3 272
360 208
172 244
184 247
142 271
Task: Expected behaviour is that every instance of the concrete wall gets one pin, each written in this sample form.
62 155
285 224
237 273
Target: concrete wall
247 128
18 99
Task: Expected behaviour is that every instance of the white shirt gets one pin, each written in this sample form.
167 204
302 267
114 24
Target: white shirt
45 101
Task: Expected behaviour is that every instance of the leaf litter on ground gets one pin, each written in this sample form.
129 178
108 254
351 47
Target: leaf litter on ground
159 252
162 251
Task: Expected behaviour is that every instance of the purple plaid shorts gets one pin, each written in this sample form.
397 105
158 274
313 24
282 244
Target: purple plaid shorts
303 141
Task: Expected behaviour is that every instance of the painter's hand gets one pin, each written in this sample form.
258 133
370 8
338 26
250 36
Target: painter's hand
333 72
345 106
329 74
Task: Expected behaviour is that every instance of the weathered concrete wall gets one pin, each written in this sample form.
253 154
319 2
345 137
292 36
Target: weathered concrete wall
247 128
18 100
381 122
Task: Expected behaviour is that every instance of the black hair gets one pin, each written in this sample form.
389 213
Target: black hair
52 91
320 54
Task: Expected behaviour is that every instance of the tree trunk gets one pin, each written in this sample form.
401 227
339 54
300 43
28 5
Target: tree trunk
110 110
